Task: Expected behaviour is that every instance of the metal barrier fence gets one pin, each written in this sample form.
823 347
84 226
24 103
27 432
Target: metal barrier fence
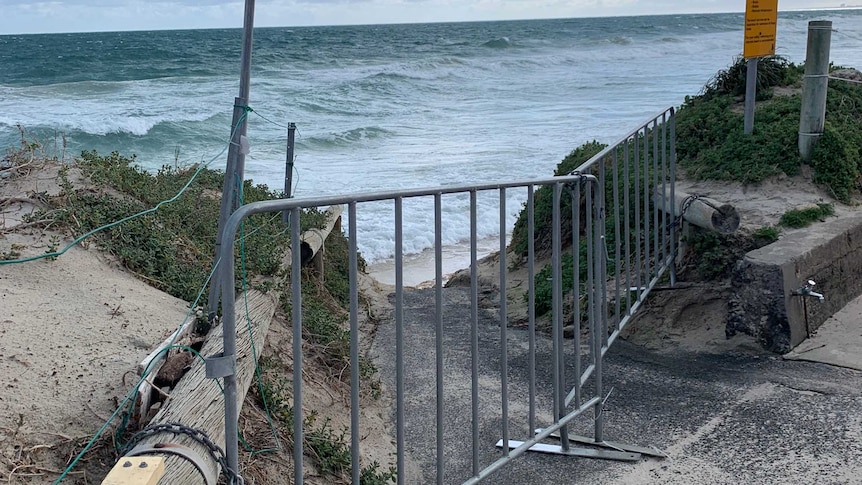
621 244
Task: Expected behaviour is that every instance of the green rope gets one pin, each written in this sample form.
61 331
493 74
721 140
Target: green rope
257 373
145 374
77 241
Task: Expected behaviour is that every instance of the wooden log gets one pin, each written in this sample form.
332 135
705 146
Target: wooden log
312 240
702 212
197 402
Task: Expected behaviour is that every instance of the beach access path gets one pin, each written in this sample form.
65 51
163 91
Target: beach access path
738 416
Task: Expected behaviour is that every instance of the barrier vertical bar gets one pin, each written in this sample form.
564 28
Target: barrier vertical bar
657 262
531 304
617 265
595 308
637 233
664 214
672 120
438 326
576 285
646 211
628 236
353 261
557 316
296 322
504 327
474 331
399 339
602 253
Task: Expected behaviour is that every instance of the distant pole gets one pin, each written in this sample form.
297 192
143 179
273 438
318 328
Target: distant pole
750 95
815 84
288 169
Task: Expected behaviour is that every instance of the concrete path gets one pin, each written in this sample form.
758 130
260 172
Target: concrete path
838 341
737 417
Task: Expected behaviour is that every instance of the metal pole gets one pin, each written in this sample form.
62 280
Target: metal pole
288 169
231 176
814 86
228 195
235 167
750 95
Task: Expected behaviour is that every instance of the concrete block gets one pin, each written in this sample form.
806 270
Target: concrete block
765 301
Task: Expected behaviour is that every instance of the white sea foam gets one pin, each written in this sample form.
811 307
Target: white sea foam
420 106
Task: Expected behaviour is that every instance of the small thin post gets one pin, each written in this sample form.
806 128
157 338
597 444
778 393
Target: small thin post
288 168
750 94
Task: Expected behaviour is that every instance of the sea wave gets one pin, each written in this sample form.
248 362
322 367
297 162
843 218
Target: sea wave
499 43
344 138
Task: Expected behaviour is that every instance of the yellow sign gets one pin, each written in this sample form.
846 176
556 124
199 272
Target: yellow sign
761 17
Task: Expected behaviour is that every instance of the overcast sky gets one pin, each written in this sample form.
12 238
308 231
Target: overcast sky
36 16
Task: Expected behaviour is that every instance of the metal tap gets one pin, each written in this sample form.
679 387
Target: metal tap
808 290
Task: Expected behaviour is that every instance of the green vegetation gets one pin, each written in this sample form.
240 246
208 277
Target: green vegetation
805 217
329 448
711 143
771 71
172 249
714 255
544 198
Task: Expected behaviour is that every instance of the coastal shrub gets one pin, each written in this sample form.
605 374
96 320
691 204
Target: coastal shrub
543 204
765 235
797 218
328 448
711 143
771 71
172 248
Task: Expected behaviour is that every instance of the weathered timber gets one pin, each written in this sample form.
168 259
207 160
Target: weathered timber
136 470
700 211
312 240
197 402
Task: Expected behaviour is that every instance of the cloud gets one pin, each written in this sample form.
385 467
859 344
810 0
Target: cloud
27 16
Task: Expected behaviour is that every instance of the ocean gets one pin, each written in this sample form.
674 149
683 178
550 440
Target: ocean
380 107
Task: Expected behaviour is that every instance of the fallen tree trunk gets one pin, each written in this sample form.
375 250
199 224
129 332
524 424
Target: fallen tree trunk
700 211
198 402
312 240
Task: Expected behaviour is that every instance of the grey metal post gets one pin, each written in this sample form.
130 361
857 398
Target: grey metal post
228 195
750 95
814 86
235 167
231 417
288 169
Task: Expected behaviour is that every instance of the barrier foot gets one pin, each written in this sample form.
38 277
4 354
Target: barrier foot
579 452
654 452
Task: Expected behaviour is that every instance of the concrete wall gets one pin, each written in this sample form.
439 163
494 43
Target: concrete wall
764 302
